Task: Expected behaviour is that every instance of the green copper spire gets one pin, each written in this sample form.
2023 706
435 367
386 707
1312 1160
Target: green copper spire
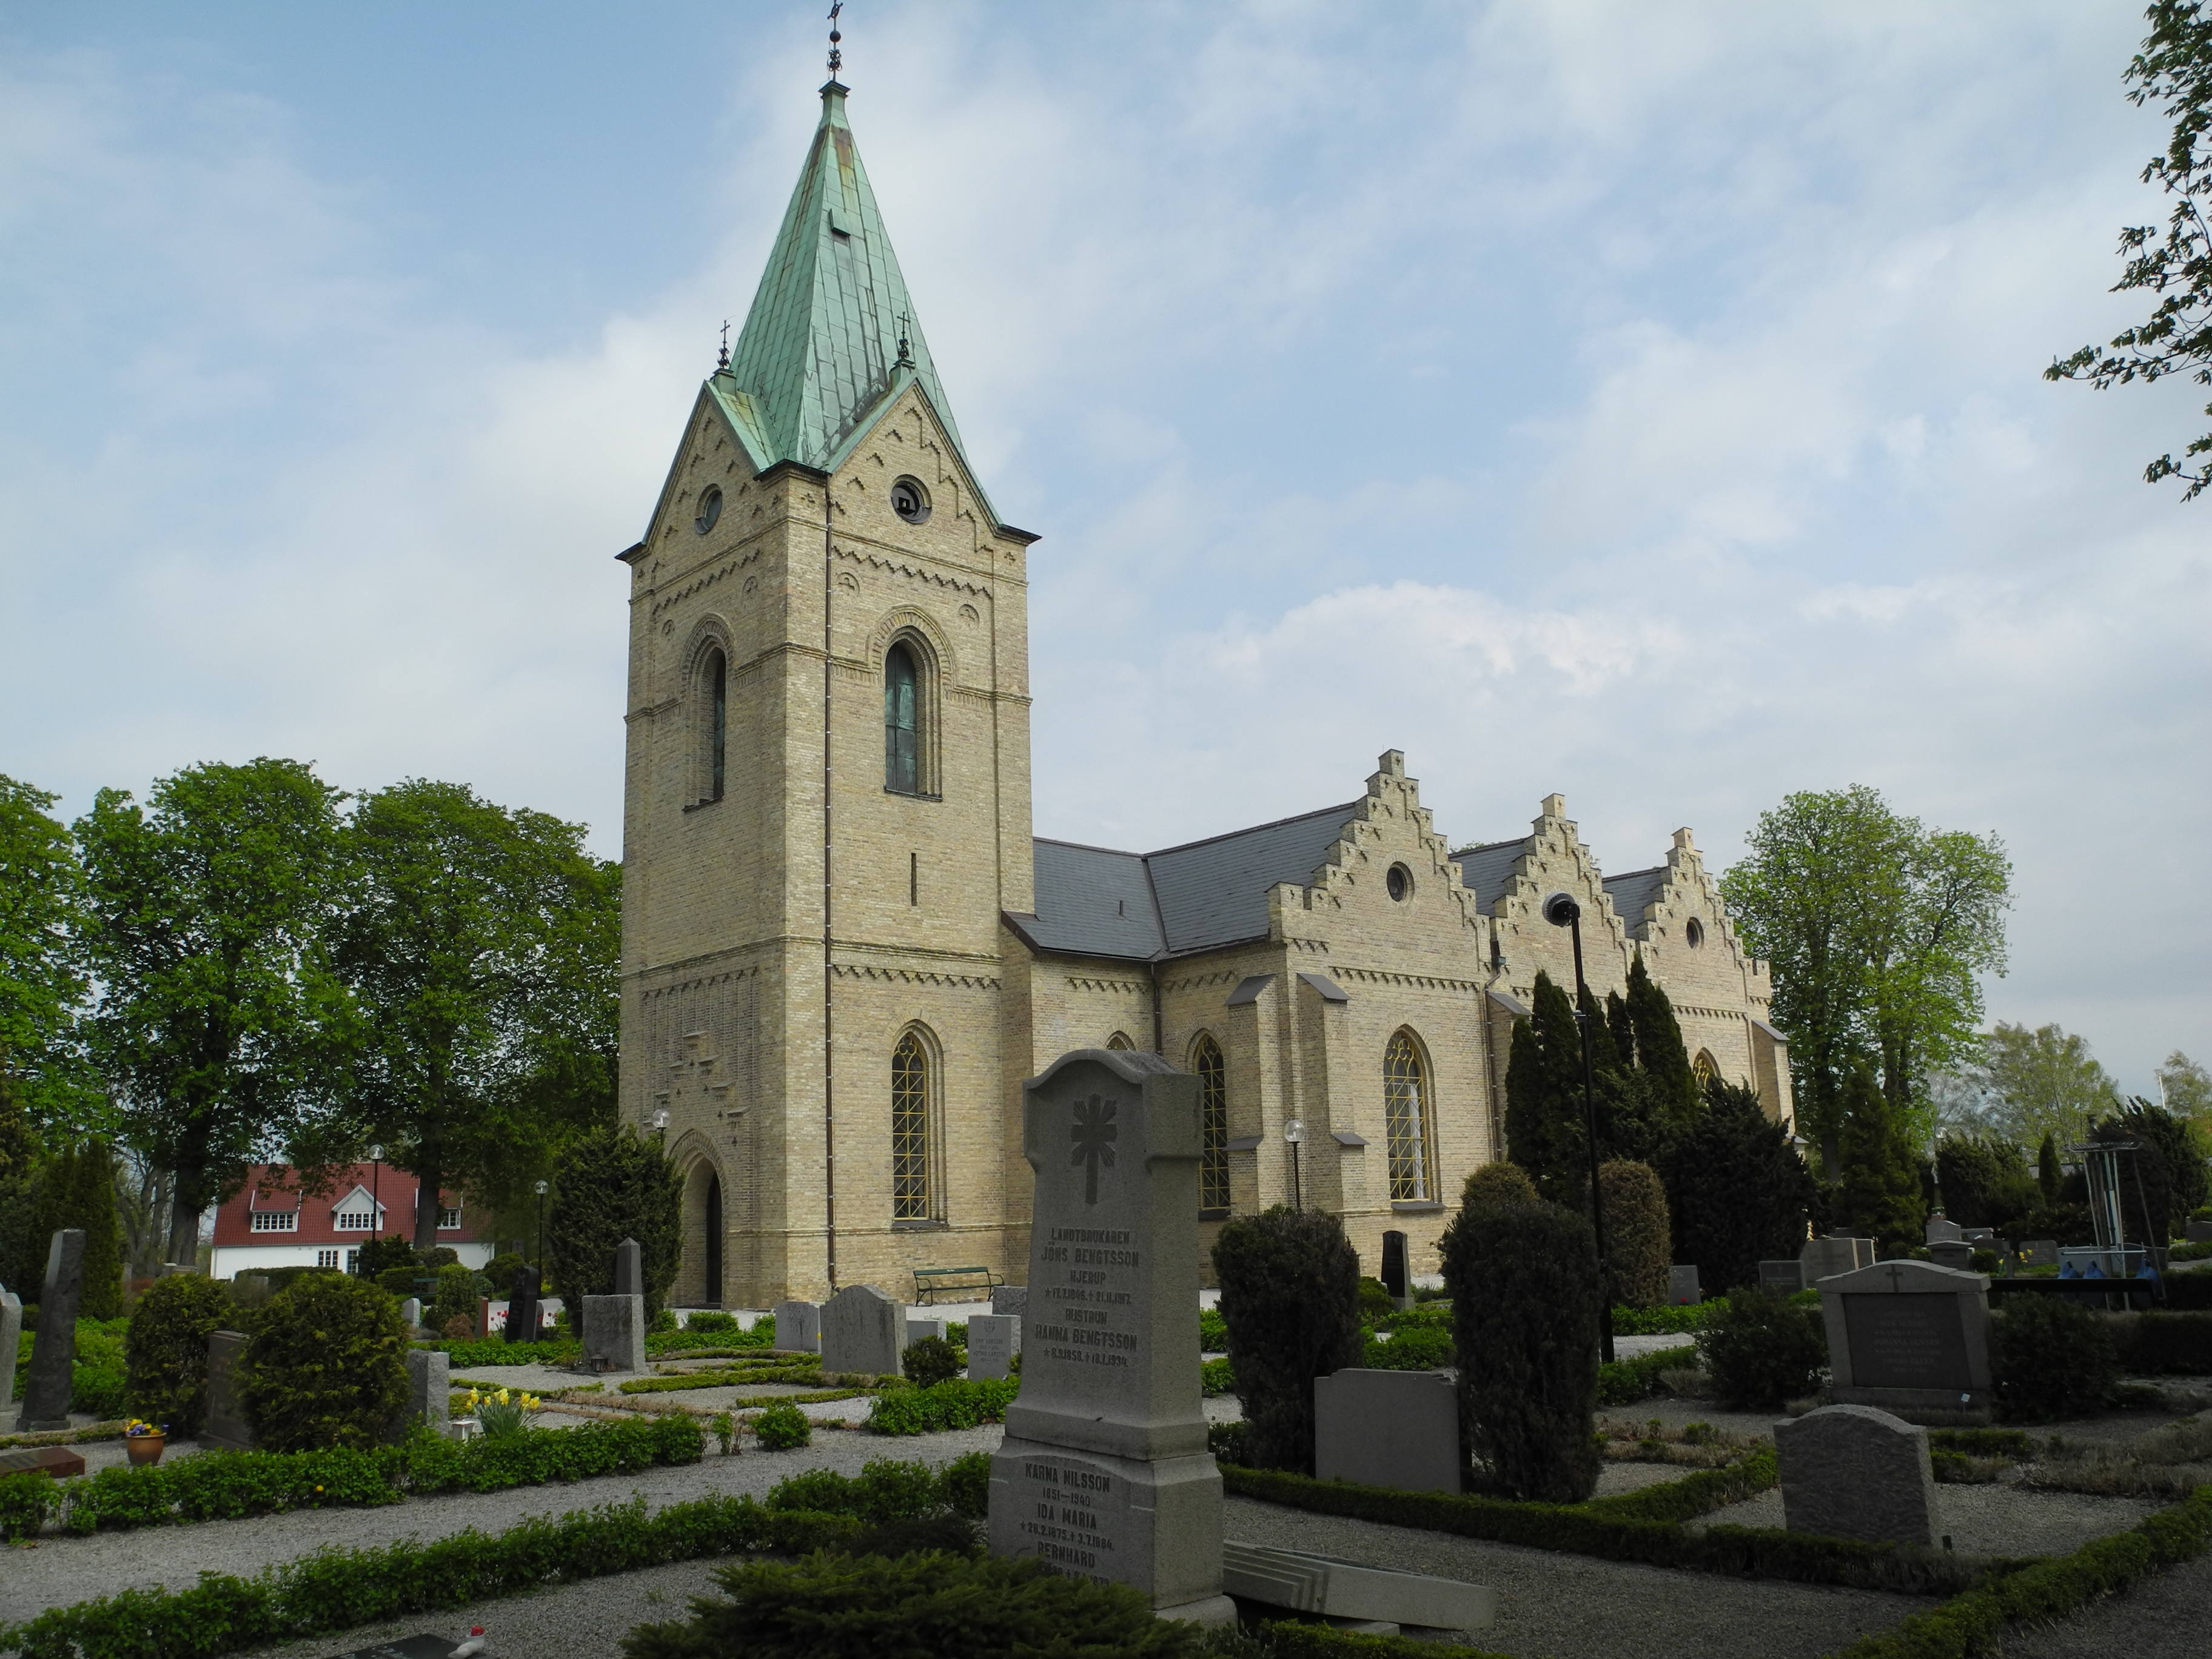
831 330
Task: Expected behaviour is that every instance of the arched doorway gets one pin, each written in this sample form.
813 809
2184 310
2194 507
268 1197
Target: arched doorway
713 1251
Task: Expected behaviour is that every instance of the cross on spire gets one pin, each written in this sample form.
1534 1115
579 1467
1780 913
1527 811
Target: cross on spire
836 57
722 359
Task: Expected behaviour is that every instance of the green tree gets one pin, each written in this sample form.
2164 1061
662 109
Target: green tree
1660 1053
2048 1175
1289 1296
479 946
1638 1234
2175 70
2163 1180
1544 1131
1985 1181
2046 1081
2186 1089
208 908
1739 1193
43 1078
613 1184
1879 1196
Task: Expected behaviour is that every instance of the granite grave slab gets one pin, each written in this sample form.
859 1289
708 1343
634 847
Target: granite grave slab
1910 1337
1388 1429
863 1332
992 1341
53 1352
1855 1471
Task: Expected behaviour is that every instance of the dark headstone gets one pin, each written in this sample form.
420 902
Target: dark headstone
1783 1275
1683 1289
225 1427
1011 1299
1394 1278
53 1356
1910 1337
59 1461
630 1270
1950 1253
522 1305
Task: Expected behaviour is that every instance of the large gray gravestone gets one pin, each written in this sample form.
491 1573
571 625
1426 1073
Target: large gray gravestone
1010 1299
225 1427
1103 1473
1388 1429
863 1331
1941 1230
1683 1289
1854 1472
411 1313
630 1269
429 1392
614 1333
1910 1338
798 1327
1823 1258
1951 1253
53 1355
992 1340
1396 1280
11 1337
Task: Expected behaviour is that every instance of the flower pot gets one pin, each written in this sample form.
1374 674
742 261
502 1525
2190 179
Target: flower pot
143 1449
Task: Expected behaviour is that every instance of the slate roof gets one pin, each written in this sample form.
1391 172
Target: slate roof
1631 892
1094 902
1484 870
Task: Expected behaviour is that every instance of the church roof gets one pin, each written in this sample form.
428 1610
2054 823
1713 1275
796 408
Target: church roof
820 346
1484 870
1633 892
1094 901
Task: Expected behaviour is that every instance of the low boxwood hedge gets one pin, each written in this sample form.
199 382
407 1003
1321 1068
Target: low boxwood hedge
2165 1344
958 1404
1625 1381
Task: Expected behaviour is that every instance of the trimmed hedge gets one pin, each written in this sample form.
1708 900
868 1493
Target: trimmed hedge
227 1485
724 1378
1625 1381
1289 1294
2165 1344
958 1404
166 1345
327 1366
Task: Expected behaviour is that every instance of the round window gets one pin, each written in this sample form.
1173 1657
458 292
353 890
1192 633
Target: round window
710 509
1400 881
1695 932
910 501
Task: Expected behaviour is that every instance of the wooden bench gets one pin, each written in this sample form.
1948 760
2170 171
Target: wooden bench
929 1283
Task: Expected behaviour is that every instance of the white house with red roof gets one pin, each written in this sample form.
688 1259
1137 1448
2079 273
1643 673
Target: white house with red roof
269 1223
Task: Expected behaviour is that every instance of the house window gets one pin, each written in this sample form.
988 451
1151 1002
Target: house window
327 1258
901 721
1212 1123
1409 1121
276 1221
448 1219
914 1196
353 1262
353 1221
714 723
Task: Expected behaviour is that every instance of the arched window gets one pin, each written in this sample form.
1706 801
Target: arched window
1409 1121
1705 1068
1121 1040
901 721
715 724
914 1171
1212 1124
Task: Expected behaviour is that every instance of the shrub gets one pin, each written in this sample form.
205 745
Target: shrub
1374 1302
1526 1306
1625 1381
2166 1344
1289 1294
2050 1359
1212 1331
965 1485
1639 1237
884 1490
1215 1377
957 1404
923 1603
1499 1182
1985 1181
326 1367
459 1327
456 1293
166 1348
1738 1192
99 1381
613 1184
782 1427
1414 1348
381 1255
1762 1351
711 1320
931 1360
402 1281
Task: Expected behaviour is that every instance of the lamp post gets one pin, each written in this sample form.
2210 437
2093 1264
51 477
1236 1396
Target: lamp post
1294 1132
375 1199
1561 911
541 1225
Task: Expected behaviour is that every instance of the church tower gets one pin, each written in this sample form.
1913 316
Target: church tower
826 794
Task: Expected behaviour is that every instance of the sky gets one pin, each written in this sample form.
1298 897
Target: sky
1640 403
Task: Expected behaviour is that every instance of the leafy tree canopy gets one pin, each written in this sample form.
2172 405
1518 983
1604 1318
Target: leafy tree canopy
1879 1196
2187 1088
2174 71
43 1078
2044 1081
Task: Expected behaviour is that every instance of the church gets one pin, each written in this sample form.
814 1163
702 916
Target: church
843 949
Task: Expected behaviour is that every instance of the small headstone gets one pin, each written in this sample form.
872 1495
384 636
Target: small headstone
1909 1338
53 1355
1855 1471
1784 1276
2039 1253
11 1340
1010 1299
411 1312
1388 1429
630 1269
429 1392
1395 1278
863 1331
992 1340
1943 1231
1824 1258
250 1289
1947 1254
614 1333
2197 1232
798 1327
225 1427
522 1305
1982 1238
1103 1473
919 1330
1682 1287
58 1461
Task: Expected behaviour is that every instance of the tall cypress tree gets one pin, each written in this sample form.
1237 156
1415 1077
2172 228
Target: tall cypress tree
1879 1195
1660 1052
1544 1129
2046 1169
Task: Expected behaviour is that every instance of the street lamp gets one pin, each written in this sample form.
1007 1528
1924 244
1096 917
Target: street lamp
1561 911
541 1224
375 1201
1293 1132
661 1121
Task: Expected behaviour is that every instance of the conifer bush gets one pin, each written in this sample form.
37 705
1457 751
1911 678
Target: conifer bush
613 1184
166 1350
1526 1304
1290 1295
326 1367
1738 1192
2050 1359
931 1360
1762 1350
1639 1239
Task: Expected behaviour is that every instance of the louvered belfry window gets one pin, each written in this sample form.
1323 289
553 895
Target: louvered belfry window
911 1193
1214 1125
902 722
1407 1121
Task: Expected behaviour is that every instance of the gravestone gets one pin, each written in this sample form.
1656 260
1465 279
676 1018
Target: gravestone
1103 1473
614 1333
1683 1289
1388 1429
1010 1299
58 1461
1945 1252
522 1305
429 1394
2197 1232
1854 1472
1982 1238
250 1289
1784 1277
1910 1337
53 1354
992 1341
1823 1258
411 1312
225 1427
11 1339
2039 1253
863 1331
630 1269
798 1327
1943 1231
1395 1279
919 1330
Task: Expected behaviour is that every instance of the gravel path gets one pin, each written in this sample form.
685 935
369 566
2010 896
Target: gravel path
2162 1618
